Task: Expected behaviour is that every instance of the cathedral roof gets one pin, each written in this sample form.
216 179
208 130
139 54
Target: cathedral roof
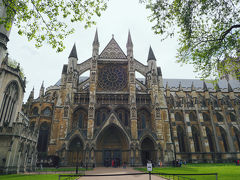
112 51
198 84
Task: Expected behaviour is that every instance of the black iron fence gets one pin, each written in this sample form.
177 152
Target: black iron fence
165 175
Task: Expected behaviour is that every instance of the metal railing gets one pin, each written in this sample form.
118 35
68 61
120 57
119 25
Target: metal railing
165 175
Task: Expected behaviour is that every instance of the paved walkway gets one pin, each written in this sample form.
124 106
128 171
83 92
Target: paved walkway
110 170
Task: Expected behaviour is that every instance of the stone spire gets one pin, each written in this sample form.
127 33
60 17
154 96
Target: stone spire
31 96
180 86
204 86
129 45
95 41
217 88
129 41
193 87
73 53
167 87
95 45
230 88
151 55
41 93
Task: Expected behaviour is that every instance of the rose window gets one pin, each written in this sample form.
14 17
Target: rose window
112 78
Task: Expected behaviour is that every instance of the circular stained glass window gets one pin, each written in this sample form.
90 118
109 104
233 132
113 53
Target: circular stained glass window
112 78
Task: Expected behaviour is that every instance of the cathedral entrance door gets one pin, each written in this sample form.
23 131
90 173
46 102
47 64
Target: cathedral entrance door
110 155
145 157
148 152
112 144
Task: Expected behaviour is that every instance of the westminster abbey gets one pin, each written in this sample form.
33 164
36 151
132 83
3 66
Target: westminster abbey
112 114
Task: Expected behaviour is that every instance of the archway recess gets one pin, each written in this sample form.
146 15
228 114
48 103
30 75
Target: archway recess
148 152
112 144
75 151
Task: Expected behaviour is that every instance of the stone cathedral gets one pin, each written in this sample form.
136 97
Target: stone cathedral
112 114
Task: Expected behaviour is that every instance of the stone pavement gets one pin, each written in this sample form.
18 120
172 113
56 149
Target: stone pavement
110 170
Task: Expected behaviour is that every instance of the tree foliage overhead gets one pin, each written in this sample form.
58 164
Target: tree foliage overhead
209 32
49 20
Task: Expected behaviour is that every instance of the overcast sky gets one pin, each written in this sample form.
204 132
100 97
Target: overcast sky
45 64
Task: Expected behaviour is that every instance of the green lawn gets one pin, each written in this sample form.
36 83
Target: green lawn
225 171
30 177
63 169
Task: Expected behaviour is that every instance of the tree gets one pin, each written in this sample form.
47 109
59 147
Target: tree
208 33
48 20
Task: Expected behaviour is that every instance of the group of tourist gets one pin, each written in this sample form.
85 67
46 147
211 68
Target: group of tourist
179 163
112 163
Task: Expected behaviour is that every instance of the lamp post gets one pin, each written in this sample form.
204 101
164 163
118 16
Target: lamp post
78 145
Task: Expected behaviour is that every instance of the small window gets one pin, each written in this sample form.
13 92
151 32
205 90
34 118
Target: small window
178 117
232 117
47 112
219 117
192 116
35 111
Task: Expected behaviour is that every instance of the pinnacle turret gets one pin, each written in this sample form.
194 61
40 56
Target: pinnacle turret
31 96
217 88
129 41
230 88
205 86
73 52
193 87
151 55
95 41
41 92
180 86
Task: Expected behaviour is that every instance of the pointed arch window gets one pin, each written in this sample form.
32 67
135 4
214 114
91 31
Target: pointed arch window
79 119
35 111
47 112
8 105
123 115
101 115
196 139
219 117
237 137
206 117
181 139
192 116
43 137
210 139
224 139
232 117
144 119
178 117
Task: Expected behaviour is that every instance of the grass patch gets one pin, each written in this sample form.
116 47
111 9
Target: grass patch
30 177
62 169
225 171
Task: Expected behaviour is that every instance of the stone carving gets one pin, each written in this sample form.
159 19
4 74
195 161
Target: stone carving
65 113
113 51
158 112
93 75
133 112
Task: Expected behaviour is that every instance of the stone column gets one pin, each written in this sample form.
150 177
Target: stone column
92 98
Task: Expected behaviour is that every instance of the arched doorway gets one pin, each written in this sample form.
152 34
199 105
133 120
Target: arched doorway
112 144
148 152
75 151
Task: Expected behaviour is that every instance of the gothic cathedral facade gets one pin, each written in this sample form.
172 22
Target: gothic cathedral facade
112 114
